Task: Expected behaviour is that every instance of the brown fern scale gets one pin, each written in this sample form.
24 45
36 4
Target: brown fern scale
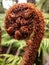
20 21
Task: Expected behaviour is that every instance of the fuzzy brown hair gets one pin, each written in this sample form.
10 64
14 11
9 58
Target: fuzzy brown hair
20 21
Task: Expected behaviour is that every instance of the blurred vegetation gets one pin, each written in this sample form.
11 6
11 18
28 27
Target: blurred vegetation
43 5
1 7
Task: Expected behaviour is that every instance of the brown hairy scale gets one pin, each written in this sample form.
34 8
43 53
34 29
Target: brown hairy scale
20 21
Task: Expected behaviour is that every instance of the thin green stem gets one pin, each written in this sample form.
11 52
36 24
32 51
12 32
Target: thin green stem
17 53
4 61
